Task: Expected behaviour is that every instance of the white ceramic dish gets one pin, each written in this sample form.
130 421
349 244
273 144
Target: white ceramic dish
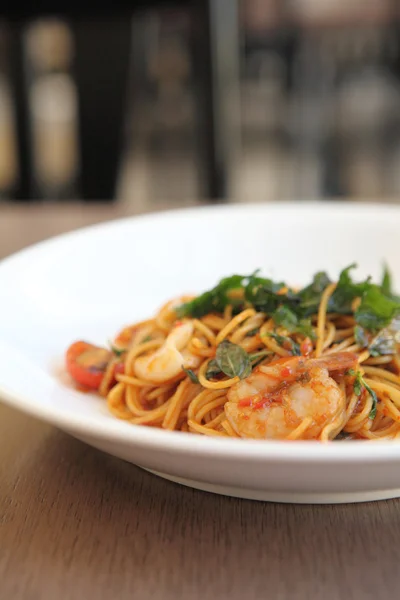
89 283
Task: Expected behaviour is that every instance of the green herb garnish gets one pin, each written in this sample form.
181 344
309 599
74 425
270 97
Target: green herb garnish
346 292
287 318
213 369
377 308
233 360
287 343
386 341
262 293
214 300
361 337
359 384
310 296
386 285
253 332
117 351
191 374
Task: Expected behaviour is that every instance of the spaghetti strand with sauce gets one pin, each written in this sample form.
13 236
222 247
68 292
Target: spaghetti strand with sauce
255 359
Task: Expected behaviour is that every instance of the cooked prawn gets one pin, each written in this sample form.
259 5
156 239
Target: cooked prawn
292 397
167 361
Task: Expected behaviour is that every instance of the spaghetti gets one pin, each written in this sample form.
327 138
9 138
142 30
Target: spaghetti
255 359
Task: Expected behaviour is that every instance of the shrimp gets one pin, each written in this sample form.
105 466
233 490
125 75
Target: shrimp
290 393
167 361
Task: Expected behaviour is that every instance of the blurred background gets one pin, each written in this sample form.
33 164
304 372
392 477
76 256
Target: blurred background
227 100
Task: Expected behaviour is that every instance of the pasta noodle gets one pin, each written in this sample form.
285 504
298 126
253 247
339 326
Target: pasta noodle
323 379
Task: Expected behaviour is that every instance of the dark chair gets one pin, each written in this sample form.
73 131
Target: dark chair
103 42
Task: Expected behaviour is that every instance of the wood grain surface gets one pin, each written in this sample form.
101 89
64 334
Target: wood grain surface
78 524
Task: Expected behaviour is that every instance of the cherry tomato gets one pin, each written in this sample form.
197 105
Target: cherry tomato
87 363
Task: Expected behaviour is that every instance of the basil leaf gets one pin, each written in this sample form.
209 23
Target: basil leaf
214 300
386 341
262 294
305 327
287 343
346 291
191 374
376 311
382 346
292 310
285 317
387 284
361 337
213 369
360 383
310 296
233 360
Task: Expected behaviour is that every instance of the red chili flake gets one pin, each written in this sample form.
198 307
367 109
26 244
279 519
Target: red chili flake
259 404
286 372
245 402
306 347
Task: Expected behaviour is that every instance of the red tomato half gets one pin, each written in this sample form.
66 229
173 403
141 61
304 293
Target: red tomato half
87 363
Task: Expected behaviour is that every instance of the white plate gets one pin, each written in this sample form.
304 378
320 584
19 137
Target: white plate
89 283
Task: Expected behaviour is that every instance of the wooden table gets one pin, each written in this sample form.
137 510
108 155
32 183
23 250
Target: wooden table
78 524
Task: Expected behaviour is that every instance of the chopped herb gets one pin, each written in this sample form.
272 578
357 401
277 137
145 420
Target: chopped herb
376 311
387 284
386 341
285 317
214 300
382 346
346 292
191 374
287 343
233 360
374 397
262 294
359 384
253 332
361 337
117 351
148 338
310 296
378 305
